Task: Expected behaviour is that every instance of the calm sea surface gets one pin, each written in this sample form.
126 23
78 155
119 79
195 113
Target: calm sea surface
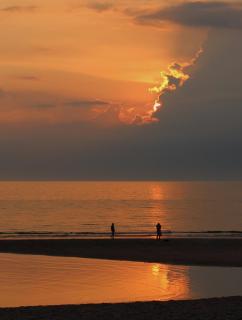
88 208
39 280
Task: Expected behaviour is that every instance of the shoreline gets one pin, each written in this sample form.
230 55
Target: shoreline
210 234
180 251
229 308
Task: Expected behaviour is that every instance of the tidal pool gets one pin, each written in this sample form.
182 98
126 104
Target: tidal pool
28 280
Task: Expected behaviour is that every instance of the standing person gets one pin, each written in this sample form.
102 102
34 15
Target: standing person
158 231
112 230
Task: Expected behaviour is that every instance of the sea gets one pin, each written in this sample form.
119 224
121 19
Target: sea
85 209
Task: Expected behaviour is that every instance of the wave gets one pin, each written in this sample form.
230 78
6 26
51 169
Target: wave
134 234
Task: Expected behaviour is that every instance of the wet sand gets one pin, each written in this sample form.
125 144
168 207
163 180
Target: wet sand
210 252
205 309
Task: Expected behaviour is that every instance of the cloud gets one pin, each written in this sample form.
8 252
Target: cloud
86 103
199 135
109 117
206 113
99 6
196 14
2 93
43 105
13 9
27 78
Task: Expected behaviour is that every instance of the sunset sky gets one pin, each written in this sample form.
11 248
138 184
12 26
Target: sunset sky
117 89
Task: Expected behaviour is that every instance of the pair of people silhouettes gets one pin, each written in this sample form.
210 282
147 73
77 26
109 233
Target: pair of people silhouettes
158 231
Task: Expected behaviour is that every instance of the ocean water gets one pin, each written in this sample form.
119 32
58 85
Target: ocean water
42 280
79 209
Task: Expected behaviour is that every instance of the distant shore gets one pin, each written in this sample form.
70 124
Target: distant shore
185 251
205 309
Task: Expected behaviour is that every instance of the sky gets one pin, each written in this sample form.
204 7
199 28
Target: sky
120 90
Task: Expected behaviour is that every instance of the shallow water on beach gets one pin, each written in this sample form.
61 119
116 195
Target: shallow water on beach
62 209
41 280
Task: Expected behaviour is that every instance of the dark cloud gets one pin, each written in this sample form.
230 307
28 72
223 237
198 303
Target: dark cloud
86 103
43 105
20 101
27 78
99 6
197 14
2 93
12 9
110 117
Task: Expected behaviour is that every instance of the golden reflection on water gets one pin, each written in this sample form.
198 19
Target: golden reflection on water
172 282
155 269
35 280
157 191
158 212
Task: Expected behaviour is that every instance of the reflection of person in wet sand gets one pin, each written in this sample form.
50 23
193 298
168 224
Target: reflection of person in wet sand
158 231
112 230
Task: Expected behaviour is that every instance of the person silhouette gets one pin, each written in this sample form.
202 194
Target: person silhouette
112 230
158 231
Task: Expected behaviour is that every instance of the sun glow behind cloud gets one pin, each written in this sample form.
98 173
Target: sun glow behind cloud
174 77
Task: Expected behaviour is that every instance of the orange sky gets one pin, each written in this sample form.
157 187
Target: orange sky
56 54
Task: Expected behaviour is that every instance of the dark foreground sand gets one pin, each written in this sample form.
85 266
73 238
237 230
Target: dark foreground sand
206 309
213 252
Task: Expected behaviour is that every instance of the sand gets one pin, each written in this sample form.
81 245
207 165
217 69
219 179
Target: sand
212 252
205 309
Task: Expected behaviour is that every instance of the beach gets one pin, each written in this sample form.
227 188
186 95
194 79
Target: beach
187 251
216 308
